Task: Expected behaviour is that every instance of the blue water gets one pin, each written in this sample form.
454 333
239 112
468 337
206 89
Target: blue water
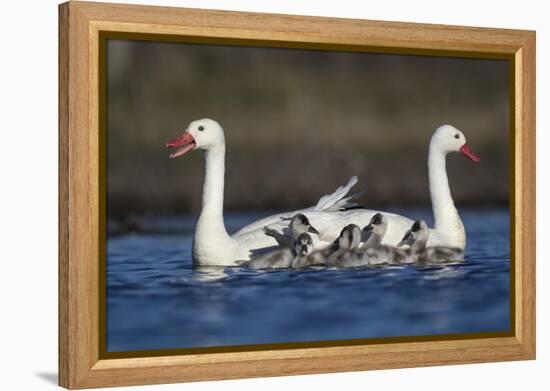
156 300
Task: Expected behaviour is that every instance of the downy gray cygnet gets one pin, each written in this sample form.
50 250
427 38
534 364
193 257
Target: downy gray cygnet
285 257
417 238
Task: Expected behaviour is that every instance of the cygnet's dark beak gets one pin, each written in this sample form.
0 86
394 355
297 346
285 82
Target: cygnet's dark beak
312 230
368 228
407 239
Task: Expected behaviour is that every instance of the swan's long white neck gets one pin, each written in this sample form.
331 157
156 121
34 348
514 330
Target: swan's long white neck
212 191
446 218
210 232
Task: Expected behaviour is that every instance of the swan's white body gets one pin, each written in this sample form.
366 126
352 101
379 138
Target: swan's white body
212 245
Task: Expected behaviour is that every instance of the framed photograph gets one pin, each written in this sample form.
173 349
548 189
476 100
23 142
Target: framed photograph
246 195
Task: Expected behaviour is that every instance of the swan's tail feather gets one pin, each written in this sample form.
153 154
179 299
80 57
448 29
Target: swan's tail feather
337 200
348 202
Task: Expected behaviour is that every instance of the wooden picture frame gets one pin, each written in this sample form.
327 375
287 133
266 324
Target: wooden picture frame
81 190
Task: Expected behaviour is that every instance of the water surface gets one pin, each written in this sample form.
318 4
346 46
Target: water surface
156 300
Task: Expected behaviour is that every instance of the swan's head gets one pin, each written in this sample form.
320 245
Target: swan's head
200 134
378 225
448 139
416 237
300 224
303 244
350 237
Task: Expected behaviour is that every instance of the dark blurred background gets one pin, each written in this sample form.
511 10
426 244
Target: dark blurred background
299 123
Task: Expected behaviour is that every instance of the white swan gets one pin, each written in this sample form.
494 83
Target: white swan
212 245
448 230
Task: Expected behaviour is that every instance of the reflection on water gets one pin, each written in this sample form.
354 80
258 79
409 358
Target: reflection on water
156 300
210 273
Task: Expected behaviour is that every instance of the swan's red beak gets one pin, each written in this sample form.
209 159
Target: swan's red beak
466 151
184 143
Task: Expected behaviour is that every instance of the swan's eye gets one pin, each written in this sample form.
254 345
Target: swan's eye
201 128
457 135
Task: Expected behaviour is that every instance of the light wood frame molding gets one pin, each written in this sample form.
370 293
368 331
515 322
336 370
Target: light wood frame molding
81 164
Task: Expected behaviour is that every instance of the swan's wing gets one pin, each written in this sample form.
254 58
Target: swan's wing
337 200
255 253
266 221
277 231
346 203
330 224
255 240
